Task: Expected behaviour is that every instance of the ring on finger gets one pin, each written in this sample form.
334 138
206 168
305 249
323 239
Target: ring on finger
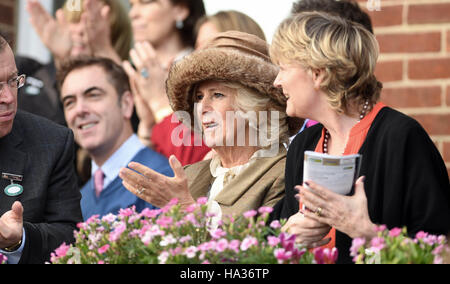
144 73
318 211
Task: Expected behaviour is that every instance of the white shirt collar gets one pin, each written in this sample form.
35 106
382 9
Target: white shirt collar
120 159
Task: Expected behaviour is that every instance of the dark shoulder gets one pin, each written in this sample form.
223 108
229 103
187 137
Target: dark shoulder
307 138
38 128
395 123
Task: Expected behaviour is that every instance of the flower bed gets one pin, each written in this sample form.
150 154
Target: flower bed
170 235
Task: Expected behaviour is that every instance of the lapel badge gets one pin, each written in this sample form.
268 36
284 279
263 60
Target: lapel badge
13 189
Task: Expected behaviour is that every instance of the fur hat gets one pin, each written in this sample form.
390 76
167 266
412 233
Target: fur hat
232 57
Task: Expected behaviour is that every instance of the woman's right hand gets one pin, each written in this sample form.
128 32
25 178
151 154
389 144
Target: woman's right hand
53 33
309 232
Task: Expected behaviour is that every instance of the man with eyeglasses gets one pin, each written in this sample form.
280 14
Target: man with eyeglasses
39 199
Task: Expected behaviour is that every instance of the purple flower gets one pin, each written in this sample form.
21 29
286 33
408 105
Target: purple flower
325 256
287 241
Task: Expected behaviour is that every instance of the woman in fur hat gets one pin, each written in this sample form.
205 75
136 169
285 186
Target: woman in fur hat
226 91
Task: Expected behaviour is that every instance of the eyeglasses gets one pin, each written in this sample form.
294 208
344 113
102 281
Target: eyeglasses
14 83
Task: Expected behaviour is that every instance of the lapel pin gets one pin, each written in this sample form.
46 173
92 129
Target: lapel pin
13 189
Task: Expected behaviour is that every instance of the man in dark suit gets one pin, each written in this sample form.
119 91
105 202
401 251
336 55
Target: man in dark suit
39 199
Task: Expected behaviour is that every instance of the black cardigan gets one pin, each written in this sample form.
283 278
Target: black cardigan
406 179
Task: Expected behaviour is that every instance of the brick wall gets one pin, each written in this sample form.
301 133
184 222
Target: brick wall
8 18
414 65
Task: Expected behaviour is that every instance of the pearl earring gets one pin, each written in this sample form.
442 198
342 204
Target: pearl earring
179 24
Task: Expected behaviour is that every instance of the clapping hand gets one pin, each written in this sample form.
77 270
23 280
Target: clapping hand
54 33
11 226
155 188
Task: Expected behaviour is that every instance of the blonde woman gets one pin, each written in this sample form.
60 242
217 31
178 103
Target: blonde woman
231 77
327 74
224 21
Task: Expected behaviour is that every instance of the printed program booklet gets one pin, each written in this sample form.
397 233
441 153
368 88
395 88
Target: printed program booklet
336 173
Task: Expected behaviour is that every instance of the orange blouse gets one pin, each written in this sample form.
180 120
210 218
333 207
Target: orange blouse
355 140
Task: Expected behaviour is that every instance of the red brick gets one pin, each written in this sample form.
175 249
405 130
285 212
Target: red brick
389 71
434 124
429 13
412 97
447 98
446 152
388 16
409 43
6 14
448 41
423 69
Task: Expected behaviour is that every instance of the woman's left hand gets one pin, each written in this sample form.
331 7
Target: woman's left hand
155 188
348 214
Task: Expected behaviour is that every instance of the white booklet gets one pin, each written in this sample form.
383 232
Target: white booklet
337 173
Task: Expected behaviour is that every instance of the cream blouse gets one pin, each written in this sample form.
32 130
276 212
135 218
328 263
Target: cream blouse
222 176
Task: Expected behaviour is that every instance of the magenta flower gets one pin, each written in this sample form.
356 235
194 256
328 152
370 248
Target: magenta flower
250 214
325 256
282 255
395 232
103 249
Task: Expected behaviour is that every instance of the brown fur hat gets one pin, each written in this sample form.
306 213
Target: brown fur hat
232 57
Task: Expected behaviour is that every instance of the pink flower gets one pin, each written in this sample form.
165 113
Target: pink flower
100 262
357 243
185 239
103 249
115 235
191 208
206 262
395 232
221 245
380 228
127 212
377 244
162 258
421 235
190 252
282 255
248 242
164 221
250 214
151 214
275 224
273 241
234 245
202 200
110 218
263 210
217 234
93 219
167 240
3 259
60 252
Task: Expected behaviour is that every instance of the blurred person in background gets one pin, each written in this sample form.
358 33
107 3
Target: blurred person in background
101 28
163 32
223 21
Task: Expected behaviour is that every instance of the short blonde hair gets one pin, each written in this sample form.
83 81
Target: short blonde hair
345 50
121 32
232 21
